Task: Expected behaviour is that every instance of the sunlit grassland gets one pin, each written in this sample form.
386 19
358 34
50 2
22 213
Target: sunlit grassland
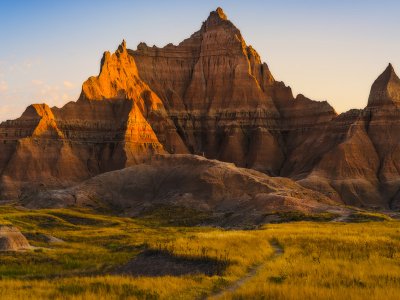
329 261
320 260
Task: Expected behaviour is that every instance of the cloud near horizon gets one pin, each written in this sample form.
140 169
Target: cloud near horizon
3 86
68 84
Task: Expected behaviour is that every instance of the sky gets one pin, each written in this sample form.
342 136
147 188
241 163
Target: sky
327 50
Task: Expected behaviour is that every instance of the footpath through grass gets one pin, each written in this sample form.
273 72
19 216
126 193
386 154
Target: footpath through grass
320 260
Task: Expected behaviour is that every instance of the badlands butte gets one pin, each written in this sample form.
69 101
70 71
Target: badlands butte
203 124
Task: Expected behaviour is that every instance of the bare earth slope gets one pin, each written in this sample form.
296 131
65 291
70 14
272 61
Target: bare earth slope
188 181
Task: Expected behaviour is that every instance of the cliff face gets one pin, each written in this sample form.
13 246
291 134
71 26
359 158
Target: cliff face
223 100
108 128
209 95
358 160
226 104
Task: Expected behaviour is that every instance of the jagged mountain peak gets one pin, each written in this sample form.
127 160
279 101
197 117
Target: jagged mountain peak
208 95
122 46
217 18
386 89
221 13
389 75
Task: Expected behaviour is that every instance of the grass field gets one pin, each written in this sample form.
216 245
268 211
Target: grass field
320 260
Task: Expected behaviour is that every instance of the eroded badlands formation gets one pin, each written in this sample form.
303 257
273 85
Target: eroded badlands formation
227 194
210 95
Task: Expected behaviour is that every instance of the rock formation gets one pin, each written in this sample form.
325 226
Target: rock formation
356 160
188 181
210 95
218 93
106 129
11 239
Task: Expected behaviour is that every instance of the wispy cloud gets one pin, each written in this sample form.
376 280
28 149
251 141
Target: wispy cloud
57 94
3 86
37 82
24 66
68 84
9 112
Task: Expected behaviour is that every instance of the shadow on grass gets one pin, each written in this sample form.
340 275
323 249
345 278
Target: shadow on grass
154 263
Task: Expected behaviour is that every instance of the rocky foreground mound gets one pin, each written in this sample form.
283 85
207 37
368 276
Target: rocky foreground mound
11 239
188 181
211 95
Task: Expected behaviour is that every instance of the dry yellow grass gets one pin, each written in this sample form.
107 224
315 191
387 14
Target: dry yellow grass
329 261
320 260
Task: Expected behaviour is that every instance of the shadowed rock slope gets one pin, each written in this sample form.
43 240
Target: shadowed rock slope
224 101
188 181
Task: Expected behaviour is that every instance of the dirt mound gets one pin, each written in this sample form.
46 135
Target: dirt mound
11 239
193 182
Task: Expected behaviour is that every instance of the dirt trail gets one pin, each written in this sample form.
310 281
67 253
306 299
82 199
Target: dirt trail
278 251
343 218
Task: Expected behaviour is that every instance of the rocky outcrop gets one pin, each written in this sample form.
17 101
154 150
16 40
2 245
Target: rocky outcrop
188 181
355 155
108 128
227 105
386 89
209 95
383 117
11 239
213 86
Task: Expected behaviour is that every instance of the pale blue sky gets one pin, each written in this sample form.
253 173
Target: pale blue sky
327 50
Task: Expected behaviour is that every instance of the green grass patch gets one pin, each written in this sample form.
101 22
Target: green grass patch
298 216
360 217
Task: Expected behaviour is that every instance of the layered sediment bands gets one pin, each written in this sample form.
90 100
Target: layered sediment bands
34 150
218 93
106 129
227 105
209 95
306 132
357 158
383 130
383 113
348 170
119 80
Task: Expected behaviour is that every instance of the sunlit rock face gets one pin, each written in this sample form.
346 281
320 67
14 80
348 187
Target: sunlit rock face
210 95
106 129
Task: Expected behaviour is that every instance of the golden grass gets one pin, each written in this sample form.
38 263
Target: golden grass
320 260
330 261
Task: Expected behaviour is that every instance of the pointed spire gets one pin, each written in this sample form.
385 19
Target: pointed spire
122 47
386 88
216 17
390 71
221 13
